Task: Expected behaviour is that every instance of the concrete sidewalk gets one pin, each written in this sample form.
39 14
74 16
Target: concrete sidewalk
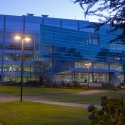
62 103
8 98
74 94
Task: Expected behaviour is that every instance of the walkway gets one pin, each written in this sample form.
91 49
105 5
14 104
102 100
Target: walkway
7 98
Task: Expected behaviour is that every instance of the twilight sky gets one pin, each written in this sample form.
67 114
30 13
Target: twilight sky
53 8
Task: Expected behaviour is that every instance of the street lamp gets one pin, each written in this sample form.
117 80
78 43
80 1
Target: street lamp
23 38
88 64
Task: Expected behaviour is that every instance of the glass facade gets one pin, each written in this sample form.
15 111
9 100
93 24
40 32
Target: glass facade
59 50
77 48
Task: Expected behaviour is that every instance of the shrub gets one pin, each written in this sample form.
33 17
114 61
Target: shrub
56 84
108 86
10 83
70 84
90 108
76 84
112 112
48 84
33 83
63 84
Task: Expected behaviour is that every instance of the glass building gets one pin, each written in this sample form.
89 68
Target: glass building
60 49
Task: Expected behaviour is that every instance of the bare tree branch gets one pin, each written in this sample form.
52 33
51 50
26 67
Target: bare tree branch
115 17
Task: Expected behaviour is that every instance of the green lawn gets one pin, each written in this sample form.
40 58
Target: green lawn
31 113
14 90
88 99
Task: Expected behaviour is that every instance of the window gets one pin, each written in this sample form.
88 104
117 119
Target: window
48 48
94 41
94 37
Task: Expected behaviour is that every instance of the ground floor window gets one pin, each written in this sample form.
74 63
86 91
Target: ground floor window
121 77
13 78
101 77
91 77
83 77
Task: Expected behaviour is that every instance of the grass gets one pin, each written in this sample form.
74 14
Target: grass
88 99
31 113
15 91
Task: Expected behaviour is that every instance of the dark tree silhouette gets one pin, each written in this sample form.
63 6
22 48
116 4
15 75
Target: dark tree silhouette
115 17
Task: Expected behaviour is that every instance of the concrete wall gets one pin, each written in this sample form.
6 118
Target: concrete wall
92 84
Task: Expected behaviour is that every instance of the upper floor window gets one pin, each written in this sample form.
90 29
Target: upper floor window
94 38
94 41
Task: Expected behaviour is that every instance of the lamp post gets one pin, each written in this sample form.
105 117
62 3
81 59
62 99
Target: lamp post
88 65
23 38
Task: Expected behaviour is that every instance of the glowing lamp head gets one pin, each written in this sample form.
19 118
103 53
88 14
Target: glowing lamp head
27 38
17 37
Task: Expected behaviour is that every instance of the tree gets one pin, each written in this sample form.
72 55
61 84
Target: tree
115 16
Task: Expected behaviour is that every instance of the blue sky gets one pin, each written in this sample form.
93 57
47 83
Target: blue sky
53 8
